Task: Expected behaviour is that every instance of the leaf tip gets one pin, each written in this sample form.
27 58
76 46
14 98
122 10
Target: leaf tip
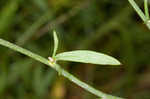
54 34
54 31
116 62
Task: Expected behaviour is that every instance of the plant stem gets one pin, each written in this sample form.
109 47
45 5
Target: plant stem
138 10
140 13
147 13
58 69
146 9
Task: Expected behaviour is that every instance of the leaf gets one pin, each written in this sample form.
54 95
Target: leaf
55 43
85 56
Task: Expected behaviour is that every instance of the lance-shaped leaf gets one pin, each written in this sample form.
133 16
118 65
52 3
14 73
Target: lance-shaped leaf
85 56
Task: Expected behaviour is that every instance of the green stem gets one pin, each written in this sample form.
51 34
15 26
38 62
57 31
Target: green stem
58 69
138 10
146 13
140 13
146 9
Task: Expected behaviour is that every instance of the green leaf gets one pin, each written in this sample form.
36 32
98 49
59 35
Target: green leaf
85 56
55 43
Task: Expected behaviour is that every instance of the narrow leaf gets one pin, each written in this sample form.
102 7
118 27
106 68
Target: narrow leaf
85 56
55 43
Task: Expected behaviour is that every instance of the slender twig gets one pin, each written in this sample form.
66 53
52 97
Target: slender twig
57 68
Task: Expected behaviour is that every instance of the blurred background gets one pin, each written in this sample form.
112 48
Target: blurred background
107 26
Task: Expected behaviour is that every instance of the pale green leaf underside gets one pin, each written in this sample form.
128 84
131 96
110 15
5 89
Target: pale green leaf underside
85 56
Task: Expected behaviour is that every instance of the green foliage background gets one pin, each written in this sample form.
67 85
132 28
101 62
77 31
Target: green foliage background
107 26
